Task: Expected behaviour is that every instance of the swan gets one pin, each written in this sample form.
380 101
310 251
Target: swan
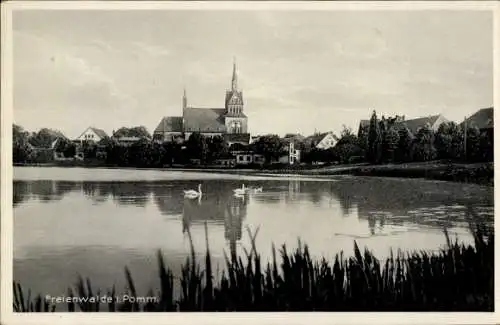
257 189
240 191
192 194
239 196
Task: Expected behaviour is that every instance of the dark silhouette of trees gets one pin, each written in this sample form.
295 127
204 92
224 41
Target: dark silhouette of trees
21 150
136 131
270 146
374 140
424 144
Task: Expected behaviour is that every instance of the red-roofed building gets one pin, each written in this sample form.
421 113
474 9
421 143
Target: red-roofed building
229 122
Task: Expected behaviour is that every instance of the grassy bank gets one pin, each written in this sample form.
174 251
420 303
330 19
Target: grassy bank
482 173
457 278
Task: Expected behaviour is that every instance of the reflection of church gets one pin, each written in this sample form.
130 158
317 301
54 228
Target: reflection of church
223 208
233 222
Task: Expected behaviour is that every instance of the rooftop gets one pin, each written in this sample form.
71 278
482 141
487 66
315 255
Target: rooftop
170 124
204 120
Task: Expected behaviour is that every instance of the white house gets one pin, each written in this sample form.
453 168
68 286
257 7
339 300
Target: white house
322 141
92 134
292 156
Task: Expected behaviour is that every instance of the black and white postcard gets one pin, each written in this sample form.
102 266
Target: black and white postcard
223 162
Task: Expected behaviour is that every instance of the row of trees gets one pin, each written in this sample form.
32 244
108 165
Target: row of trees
385 140
389 140
144 153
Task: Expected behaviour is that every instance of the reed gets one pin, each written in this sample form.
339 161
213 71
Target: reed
456 278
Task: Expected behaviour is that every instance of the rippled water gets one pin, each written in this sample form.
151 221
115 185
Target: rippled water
93 222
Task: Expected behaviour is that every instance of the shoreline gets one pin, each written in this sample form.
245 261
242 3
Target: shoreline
476 173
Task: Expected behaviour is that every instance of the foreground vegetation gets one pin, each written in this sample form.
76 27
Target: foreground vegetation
457 278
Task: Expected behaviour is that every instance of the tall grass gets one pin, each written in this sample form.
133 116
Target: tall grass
457 278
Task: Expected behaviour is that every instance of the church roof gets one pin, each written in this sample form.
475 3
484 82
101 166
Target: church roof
170 124
204 120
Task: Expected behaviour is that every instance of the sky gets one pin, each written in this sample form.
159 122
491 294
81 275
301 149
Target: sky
300 72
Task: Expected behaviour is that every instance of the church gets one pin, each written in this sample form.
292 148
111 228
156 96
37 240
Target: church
229 122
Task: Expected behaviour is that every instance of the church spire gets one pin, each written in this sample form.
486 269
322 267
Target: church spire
184 99
235 77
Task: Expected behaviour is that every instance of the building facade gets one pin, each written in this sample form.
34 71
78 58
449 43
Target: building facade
229 122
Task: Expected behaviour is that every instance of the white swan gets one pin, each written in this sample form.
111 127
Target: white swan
192 194
257 189
240 191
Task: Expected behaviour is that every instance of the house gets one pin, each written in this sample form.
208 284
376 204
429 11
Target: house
243 157
92 134
291 156
229 121
322 141
483 119
226 161
434 121
413 125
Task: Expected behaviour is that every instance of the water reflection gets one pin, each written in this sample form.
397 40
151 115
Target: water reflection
380 202
68 227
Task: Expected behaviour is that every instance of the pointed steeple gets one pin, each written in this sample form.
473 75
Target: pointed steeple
234 84
184 99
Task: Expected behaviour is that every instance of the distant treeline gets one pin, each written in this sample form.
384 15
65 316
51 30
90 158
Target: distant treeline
385 140
388 140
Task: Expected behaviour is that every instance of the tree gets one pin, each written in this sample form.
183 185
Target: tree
448 141
66 147
374 140
21 150
217 148
404 151
424 144
486 145
136 131
347 147
270 146
44 138
473 145
197 147
390 144
89 149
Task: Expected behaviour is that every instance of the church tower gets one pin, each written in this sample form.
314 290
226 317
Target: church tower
184 100
235 119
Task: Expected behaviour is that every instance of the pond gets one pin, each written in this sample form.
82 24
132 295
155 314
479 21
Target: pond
93 222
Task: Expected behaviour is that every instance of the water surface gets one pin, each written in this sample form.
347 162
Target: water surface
93 222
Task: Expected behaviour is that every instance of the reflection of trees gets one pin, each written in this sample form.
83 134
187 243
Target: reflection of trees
43 190
130 193
20 191
168 199
123 193
397 202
